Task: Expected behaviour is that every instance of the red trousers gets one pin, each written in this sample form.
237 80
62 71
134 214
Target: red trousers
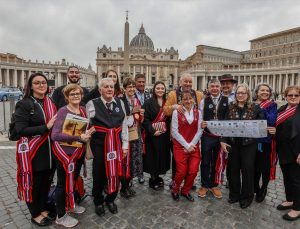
187 167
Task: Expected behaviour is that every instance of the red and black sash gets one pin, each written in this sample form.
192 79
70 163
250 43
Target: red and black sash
220 166
69 164
160 117
112 156
265 104
282 116
27 148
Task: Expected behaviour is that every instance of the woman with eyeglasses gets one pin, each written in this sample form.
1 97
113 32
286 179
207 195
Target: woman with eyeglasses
69 158
288 151
133 163
241 158
263 168
34 118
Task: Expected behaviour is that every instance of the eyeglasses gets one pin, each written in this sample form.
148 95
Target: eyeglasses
292 95
74 94
39 83
112 76
241 93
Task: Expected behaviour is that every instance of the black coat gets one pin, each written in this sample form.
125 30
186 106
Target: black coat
288 137
93 94
30 122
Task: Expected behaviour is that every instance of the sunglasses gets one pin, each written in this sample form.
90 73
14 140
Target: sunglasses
292 95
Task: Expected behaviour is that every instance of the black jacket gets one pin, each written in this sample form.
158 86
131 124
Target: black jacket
30 122
288 138
93 94
257 114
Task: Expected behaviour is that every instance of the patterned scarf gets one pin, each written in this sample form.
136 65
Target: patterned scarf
69 164
27 148
113 156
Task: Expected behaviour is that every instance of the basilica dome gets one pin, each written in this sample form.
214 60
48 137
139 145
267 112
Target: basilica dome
141 42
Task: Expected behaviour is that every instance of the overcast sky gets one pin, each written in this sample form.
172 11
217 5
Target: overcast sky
73 29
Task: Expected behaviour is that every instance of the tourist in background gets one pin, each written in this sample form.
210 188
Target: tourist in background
109 145
34 118
157 126
134 159
66 155
241 158
186 133
262 95
288 150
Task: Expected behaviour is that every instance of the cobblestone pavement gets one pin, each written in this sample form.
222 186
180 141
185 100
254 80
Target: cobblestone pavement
149 209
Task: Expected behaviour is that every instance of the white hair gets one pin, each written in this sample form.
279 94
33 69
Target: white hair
104 80
185 74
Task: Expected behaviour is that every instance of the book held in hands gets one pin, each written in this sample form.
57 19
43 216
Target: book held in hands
74 125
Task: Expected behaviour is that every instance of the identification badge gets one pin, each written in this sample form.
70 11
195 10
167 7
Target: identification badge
111 156
24 146
117 109
210 106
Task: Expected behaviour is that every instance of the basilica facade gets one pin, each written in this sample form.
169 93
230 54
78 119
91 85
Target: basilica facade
140 56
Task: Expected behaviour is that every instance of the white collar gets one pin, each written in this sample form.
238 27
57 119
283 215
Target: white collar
104 101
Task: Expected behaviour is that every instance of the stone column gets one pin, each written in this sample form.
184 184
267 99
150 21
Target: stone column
118 70
58 79
22 79
286 81
147 75
133 71
142 69
1 79
280 83
250 83
157 73
203 83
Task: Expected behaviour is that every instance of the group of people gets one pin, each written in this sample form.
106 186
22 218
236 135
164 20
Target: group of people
132 132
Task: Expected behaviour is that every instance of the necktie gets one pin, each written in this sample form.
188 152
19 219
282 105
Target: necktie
215 100
109 107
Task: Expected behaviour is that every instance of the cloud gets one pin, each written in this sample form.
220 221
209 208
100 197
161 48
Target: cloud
56 29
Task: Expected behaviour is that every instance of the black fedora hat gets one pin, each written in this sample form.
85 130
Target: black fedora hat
227 77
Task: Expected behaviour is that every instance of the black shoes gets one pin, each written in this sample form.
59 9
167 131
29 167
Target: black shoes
245 203
260 195
194 187
290 218
44 222
141 180
125 193
51 216
154 184
232 201
175 196
160 182
100 210
188 196
281 207
112 207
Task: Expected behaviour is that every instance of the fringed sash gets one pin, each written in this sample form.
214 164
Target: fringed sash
27 148
112 156
282 116
69 164
160 117
220 166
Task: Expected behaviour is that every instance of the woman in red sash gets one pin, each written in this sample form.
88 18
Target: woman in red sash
156 124
288 150
69 158
186 133
263 93
133 163
34 116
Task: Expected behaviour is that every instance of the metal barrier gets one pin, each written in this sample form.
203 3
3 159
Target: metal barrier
6 110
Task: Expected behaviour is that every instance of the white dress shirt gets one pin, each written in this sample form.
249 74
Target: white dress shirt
90 108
